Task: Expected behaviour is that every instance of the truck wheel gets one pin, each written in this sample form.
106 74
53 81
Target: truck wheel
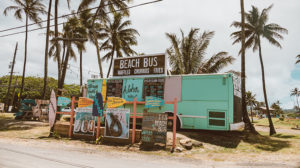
170 124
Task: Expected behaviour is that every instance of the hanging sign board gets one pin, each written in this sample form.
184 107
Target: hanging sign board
117 123
84 122
52 108
153 102
145 65
154 128
84 102
113 102
63 101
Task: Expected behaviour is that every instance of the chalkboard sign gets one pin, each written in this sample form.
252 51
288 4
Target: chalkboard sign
154 128
154 87
114 88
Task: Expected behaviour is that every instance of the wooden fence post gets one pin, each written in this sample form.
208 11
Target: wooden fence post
134 121
174 123
98 127
72 116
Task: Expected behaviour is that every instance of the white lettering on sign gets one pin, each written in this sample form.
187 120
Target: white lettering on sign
158 70
124 72
141 71
150 62
131 63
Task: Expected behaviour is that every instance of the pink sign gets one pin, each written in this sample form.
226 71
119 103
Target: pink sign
172 88
52 108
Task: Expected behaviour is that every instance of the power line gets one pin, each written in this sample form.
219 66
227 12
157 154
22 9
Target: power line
134 6
62 16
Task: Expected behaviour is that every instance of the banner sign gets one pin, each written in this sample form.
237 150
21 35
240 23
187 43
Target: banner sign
153 102
146 65
84 102
98 105
154 128
63 101
84 122
117 123
113 102
52 108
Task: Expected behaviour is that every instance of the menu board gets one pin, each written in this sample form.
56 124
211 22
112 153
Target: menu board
114 88
154 87
154 128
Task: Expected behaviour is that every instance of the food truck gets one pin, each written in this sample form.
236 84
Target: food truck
205 101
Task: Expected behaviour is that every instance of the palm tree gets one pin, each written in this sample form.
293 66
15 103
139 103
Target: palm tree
58 48
298 59
257 27
47 50
32 9
251 101
119 39
101 14
296 92
248 125
186 55
72 29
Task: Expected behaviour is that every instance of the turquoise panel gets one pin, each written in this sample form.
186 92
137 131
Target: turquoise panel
133 88
205 87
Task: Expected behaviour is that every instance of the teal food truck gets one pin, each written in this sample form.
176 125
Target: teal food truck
205 101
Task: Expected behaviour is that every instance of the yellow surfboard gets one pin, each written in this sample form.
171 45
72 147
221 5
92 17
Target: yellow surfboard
103 92
113 102
85 102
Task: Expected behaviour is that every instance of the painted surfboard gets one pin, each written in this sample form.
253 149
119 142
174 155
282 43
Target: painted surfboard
52 108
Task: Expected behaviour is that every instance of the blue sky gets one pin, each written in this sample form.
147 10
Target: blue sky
153 21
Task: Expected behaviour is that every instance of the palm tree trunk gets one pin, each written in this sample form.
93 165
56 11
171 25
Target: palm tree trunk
46 51
57 47
65 66
251 114
80 68
96 39
111 61
272 129
25 57
248 125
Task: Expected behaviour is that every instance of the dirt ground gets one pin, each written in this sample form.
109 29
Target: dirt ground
218 146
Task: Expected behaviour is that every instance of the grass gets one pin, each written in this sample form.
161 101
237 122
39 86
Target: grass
286 123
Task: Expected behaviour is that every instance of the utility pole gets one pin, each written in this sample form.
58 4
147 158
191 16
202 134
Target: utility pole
10 78
64 66
14 91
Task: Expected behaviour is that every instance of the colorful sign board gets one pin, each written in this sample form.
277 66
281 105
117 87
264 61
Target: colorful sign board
52 108
154 128
133 88
113 102
145 65
154 87
117 123
94 86
63 101
84 102
153 102
84 122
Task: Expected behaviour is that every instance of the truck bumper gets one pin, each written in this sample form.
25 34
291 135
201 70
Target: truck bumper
237 126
